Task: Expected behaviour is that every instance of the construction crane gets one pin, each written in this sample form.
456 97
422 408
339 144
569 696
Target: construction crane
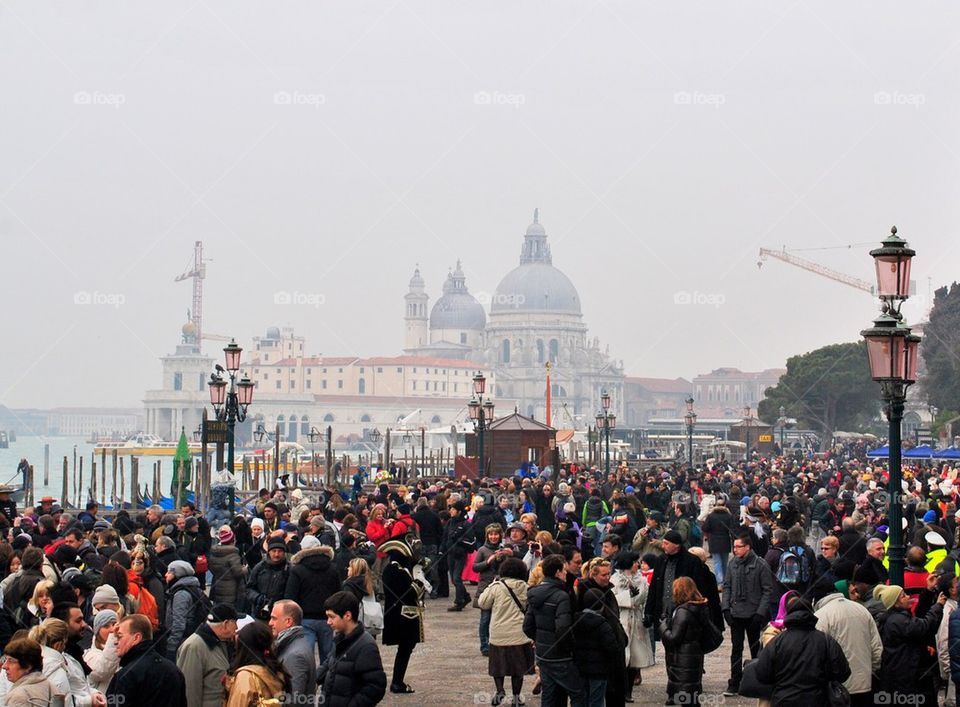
198 273
813 267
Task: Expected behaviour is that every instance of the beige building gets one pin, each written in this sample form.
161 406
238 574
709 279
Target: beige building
725 391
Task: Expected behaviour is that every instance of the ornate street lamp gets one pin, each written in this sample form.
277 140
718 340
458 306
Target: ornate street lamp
691 419
606 421
892 352
314 436
481 413
747 421
230 406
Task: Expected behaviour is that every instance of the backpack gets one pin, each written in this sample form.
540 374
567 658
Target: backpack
199 609
147 604
371 616
793 569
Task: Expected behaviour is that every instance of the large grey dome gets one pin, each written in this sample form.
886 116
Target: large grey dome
536 285
457 308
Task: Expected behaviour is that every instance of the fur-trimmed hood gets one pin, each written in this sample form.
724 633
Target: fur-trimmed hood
313 552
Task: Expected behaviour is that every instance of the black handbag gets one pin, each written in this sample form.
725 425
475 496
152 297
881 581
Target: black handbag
750 686
837 694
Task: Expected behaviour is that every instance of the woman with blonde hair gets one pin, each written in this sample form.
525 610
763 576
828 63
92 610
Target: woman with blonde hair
40 604
52 636
359 582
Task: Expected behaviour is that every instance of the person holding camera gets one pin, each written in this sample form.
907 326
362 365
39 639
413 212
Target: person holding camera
487 563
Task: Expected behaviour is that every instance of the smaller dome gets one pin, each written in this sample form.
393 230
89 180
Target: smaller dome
457 308
273 333
536 229
189 329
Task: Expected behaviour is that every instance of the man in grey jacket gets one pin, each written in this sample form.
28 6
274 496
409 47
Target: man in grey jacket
203 659
747 586
852 626
295 651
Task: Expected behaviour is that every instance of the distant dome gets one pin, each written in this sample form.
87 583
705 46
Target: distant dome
535 285
457 308
273 333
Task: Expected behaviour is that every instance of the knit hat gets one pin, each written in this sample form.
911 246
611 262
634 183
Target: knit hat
181 569
106 594
933 538
101 525
317 522
277 544
403 509
222 612
887 594
930 516
225 535
674 537
258 523
629 489
570 507
104 617
309 541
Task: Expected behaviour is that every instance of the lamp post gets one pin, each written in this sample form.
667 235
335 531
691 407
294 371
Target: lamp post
782 421
606 421
261 434
375 438
892 352
314 437
481 412
230 406
691 419
747 421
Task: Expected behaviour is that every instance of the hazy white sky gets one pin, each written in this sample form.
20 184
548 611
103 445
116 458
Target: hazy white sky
324 148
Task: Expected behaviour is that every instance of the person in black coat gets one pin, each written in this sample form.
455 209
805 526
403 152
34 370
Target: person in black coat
312 580
905 639
456 545
145 677
595 647
268 580
800 661
402 609
659 602
431 535
853 546
718 528
681 633
597 579
353 674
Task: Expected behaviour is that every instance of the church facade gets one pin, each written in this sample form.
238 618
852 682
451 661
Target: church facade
534 326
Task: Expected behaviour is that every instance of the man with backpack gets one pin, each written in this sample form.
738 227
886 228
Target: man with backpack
797 562
745 602
187 605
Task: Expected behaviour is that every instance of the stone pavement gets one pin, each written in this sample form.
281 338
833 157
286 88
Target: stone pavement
447 669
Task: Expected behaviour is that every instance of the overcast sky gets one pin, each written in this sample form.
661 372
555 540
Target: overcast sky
325 148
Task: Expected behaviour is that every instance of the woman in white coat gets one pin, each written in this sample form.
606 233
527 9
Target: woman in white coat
51 634
630 588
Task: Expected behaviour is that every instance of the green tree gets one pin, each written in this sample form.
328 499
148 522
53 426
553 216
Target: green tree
827 389
940 349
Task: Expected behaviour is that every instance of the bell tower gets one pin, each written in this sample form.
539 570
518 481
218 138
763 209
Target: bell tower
415 314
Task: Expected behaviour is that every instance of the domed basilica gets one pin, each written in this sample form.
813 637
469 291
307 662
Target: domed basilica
534 323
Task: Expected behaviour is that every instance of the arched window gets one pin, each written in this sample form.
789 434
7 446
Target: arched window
505 351
554 350
435 420
328 417
362 386
305 425
364 418
540 351
280 421
292 429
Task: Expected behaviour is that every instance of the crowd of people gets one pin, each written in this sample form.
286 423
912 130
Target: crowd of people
578 579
